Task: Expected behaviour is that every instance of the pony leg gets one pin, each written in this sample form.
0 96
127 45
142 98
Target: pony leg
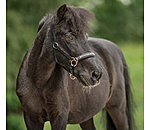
119 118
32 122
59 122
88 125
116 108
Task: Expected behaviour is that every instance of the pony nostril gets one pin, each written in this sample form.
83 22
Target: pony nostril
96 75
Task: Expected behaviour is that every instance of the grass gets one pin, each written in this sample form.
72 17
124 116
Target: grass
135 59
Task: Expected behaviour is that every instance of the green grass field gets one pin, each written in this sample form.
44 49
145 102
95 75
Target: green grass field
135 59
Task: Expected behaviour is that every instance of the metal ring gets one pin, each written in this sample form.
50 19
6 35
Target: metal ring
72 62
72 77
55 44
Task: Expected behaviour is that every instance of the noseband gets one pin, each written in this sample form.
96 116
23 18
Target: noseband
73 60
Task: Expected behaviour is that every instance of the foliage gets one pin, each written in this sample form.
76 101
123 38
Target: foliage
119 23
115 21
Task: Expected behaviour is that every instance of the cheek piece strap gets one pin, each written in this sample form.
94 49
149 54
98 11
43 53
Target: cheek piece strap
73 60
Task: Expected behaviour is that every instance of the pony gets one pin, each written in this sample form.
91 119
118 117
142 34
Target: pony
67 77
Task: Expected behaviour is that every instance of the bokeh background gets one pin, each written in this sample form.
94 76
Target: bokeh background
120 21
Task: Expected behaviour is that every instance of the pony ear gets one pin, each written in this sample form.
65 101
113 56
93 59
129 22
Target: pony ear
61 11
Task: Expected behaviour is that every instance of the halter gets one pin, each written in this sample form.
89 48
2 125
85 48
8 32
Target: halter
73 60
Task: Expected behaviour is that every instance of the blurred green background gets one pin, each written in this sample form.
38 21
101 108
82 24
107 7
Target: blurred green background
120 21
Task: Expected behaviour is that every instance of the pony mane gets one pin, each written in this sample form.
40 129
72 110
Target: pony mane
42 21
79 18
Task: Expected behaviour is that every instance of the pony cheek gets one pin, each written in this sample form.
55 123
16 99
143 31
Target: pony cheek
75 72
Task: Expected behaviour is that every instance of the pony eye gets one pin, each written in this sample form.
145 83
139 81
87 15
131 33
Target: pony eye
86 36
70 38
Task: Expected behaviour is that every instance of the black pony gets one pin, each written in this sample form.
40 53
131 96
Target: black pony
98 76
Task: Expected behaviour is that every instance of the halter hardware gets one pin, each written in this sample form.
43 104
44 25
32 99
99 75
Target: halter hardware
55 45
72 77
73 60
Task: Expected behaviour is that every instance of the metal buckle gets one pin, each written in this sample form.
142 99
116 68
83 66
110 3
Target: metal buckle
74 62
72 77
55 45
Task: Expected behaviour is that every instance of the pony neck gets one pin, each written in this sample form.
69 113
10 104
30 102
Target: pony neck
41 63
49 73
42 67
